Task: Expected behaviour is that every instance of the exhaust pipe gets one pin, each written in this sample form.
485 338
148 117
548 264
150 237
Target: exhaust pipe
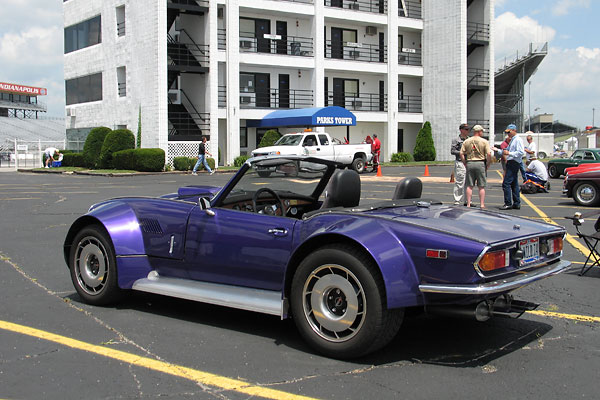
481 312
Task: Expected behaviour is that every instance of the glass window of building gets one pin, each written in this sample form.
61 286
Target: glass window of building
83 34
84 89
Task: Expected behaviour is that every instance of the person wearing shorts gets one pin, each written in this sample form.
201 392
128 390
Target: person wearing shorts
475 153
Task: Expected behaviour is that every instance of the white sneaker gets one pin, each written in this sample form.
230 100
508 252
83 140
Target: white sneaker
212 172
46 166
194 173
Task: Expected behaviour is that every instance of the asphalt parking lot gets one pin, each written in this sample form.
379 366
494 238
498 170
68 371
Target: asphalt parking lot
52 345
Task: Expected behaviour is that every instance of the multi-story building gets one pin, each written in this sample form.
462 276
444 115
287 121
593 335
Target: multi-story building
193 68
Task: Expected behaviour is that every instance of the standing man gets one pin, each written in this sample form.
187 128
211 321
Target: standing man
514 159
476 155
459 166
202 152
530 148
376 150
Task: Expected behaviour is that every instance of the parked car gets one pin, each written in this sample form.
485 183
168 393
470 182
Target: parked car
557 166
583 187
303 246
318 144
581 168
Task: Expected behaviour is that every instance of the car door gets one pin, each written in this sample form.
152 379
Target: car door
325 149
238 247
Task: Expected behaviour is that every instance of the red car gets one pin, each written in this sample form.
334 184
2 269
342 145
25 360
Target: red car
582 167
583 186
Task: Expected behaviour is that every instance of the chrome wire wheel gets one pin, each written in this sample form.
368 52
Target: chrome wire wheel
91 265
334 303
586 194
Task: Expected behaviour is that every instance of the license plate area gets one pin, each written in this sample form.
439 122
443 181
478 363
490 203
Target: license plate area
531 251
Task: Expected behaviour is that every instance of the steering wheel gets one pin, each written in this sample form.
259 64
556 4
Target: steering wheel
272 192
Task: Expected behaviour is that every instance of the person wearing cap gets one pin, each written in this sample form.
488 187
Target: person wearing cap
475 154
459 167
536 171
514 159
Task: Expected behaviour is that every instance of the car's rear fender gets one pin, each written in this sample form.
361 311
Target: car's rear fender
382 246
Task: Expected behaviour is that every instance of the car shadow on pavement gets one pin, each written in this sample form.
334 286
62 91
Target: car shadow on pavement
423 339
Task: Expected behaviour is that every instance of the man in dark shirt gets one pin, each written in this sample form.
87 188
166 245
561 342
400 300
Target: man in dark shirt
202 152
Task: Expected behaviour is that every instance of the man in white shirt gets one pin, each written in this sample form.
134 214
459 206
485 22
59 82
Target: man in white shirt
530 147
50 154
536 171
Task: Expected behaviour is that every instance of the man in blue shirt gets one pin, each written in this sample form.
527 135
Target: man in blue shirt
514 157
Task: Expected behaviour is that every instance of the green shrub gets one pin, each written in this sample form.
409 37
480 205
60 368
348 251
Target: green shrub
150 160
93 145
402 157
181 164
269 138
117 140
73 160
424 147
239 161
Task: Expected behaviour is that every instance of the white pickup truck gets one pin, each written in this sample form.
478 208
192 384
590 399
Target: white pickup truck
321 145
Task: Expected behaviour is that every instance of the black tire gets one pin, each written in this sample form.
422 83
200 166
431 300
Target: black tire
264 174
344 285
586 194
553 171
93 267
358 165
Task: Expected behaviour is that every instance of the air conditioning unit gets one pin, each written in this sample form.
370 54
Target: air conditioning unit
220 13
402 105
245 99
70 112
354 5
402 59
356 103
371 30
245 44
354 54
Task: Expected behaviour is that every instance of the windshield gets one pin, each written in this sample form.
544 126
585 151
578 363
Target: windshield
289 140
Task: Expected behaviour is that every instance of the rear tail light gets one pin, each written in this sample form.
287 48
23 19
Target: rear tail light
555 245
494 260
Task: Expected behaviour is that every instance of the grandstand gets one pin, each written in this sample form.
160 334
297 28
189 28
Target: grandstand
30 130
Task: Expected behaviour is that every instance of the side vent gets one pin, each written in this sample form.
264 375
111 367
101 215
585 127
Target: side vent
150 225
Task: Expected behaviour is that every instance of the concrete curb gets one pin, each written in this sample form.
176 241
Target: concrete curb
117 175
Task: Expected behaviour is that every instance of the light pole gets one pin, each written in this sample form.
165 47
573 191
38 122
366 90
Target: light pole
593 112
529 119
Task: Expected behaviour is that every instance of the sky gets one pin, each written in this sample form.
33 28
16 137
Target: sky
566 83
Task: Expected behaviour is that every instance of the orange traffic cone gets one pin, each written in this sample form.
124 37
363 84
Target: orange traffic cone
379 171
426 171
452 177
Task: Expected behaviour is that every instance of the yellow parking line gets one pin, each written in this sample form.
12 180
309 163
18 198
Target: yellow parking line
200 377
582 318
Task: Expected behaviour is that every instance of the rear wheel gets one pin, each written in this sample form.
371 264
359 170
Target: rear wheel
586 194
93 266
358 165
338 303
264 174
541 155
553 171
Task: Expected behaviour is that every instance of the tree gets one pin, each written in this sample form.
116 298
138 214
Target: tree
139 131
424 147
269 138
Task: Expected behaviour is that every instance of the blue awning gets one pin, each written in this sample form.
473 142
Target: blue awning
317 116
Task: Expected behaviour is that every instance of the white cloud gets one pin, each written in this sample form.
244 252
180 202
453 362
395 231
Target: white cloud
562 7
514 34
588 54
34 46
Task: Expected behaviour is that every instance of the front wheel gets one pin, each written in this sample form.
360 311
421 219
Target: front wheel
338 303
358 165
586 194
93 267
553 171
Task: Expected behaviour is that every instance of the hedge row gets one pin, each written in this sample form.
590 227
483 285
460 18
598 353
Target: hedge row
150 160
117 140
93 146
187 163
402 157
239 161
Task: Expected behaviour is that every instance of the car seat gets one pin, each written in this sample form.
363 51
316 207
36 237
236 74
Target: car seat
343 190
408 188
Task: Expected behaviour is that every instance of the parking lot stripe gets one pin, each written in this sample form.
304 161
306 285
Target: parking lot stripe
201 377
582 318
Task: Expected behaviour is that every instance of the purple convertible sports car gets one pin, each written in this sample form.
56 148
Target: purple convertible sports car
298 244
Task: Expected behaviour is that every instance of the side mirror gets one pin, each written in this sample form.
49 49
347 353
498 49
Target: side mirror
204 203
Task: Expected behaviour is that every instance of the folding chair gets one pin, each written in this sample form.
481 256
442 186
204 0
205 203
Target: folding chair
591 241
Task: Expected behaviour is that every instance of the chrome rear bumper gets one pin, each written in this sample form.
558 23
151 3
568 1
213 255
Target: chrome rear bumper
500 285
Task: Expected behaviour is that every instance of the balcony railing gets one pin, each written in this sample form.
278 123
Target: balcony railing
410 57
222 38
360 102
410 9
122 89
186 52
374 6
121 28
287 45
478 77
276 98
355 51
410 104
222 96
477 31
485 123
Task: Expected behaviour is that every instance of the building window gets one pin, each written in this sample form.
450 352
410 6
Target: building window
120 20
83 34
246 82
243 136
121 82
84 89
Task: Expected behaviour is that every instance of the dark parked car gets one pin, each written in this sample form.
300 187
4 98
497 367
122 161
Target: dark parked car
556 166
583 187
299 244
